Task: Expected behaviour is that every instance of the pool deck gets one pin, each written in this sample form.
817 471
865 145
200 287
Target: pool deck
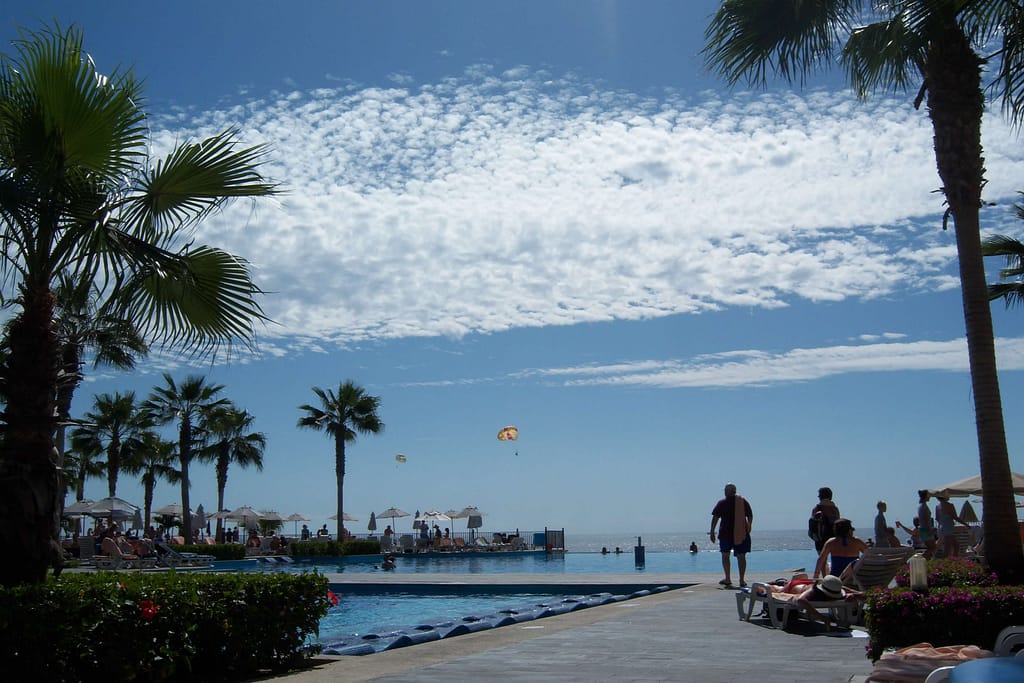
689 634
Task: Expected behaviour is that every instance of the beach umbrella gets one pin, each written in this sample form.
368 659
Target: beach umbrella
433 516
296 518
372 526
416 520
78 508
112 508
345 517
271 515
199 518
137 521
172 510
967 513
972 487
246 515
392 514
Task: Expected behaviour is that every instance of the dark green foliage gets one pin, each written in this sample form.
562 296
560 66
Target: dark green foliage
220 551
115 627
333 548
955 571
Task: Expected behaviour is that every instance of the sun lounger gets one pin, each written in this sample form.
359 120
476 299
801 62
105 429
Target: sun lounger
169 557
878 567
780 605
112 557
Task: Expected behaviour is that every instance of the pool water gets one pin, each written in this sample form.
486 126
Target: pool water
363 623
365 614
772 562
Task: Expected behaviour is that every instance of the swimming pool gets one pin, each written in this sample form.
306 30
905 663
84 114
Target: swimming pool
759 562
365 622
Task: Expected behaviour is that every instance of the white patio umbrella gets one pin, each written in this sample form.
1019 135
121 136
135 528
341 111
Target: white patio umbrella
246 515
372 526
392 514
972 487
968 514
172 510
78 508
199 518
112 508
434 516
345 517
296 517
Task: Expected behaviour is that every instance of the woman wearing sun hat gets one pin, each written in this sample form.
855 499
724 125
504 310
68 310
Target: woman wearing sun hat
827 589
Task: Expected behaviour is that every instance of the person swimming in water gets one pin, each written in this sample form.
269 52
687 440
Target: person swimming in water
693 547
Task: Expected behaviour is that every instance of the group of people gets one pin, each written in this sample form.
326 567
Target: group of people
838 548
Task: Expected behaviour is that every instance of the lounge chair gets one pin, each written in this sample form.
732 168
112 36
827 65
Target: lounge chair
386 543
86 549
169 557
1009 643
780 605
877 567
406 543
460 544
113 557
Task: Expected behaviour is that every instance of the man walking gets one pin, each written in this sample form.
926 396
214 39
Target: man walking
737 520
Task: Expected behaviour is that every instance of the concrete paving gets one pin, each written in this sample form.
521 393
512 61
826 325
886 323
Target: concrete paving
689 634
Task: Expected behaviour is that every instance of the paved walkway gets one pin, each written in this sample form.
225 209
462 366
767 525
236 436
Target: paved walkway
690 634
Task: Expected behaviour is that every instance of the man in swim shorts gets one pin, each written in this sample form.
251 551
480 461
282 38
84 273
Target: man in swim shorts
737 519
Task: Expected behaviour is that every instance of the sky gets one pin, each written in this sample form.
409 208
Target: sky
552 215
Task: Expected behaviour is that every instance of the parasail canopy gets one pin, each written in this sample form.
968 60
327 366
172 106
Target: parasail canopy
508 433
400 458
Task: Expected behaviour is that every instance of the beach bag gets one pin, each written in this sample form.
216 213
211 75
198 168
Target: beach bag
819 527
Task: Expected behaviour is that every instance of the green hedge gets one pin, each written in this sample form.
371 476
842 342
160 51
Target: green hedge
949 615
955 571
221 551
179 626
333 548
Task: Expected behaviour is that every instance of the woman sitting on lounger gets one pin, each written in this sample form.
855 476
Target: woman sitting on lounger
844 548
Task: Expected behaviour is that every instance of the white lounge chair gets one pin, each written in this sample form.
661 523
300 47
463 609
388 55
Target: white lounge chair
877 567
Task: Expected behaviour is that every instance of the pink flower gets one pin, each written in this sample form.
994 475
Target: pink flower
333 598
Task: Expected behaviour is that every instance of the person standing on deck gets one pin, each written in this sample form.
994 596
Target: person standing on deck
737 520
881 527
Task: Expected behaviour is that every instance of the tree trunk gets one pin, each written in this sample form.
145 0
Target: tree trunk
222 483
185 456
956 105
31 481
339 470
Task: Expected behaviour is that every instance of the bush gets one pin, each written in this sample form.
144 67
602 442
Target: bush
115 627
955 571
333 548
949 615
220 551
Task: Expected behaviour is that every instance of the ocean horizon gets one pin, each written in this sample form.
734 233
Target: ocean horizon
762 540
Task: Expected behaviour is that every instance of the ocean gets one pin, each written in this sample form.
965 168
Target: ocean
789 539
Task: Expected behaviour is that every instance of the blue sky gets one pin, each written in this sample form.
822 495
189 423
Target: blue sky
551 215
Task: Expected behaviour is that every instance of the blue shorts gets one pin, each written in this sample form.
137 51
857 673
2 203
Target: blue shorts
725 545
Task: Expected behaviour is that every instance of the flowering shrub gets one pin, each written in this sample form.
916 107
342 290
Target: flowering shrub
177 626
950 615
955 571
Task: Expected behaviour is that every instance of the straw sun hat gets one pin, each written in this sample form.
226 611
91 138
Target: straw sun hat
831 586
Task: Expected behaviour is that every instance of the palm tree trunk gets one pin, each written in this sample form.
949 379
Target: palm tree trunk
222 483
30 477
185 456
956 104
148 483
339 470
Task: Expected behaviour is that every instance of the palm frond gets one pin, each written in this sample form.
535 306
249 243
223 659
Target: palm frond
883 54
791 38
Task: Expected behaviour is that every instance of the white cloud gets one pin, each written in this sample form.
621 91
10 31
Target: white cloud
516 200
752 367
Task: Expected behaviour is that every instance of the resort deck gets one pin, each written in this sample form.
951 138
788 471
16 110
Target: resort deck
690 634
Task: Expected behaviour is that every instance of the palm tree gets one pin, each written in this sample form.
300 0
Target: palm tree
83 464
82 324
79 196
1012 292
934 47
114 427
188 405
341 416
230 441
154 461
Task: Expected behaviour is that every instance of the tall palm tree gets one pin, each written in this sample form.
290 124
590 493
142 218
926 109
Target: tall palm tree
935 47
114 427
342 415
154 461
79 195
229 440
189 406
